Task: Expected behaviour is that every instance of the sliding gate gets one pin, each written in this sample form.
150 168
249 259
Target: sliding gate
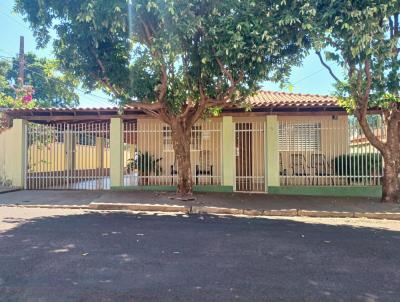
67 156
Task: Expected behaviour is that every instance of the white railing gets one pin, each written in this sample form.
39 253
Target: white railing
67 156
149 158
250 156
332 151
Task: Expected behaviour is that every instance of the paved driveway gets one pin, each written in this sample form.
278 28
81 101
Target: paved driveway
131 257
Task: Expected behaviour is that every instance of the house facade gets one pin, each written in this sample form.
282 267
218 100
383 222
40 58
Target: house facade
287 144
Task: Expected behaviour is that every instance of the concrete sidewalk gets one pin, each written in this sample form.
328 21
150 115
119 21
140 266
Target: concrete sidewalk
212 203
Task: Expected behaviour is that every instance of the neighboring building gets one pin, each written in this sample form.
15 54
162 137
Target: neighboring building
288 144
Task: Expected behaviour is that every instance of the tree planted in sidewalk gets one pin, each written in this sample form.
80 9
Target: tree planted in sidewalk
363 38
177 60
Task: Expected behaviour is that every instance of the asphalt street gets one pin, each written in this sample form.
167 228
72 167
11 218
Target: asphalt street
131 257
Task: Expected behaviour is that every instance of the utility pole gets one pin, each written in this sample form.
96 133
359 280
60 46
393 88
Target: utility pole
21 79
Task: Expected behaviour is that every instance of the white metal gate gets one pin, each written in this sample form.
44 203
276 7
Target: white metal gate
67 156
250 156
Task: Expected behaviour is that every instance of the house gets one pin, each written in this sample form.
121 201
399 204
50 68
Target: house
287 144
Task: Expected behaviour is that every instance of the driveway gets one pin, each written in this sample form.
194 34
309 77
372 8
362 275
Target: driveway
87 256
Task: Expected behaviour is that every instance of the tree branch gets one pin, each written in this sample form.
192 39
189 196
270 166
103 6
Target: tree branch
147 106
156 56
327 67
105 79
151 112
225 71
199 108
362 108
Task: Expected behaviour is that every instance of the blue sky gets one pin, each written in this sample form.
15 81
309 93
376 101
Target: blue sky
310 78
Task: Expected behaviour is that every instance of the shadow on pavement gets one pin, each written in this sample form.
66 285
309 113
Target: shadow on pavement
134 257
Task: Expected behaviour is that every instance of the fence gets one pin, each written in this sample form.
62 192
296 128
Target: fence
67 156
149 158
250 156
320 151
328 152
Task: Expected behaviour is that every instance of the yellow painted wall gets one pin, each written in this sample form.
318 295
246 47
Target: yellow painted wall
52 157
363 148
10 144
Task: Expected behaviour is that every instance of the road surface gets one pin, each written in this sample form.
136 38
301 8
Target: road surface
73 255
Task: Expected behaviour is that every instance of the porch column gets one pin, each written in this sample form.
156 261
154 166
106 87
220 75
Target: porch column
228 147
70 149
116 153
272 152
19 153
100 144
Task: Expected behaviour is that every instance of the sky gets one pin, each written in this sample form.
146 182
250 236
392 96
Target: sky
310 78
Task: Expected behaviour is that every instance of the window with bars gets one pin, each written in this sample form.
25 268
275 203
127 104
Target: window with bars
167 138
299 136
195 140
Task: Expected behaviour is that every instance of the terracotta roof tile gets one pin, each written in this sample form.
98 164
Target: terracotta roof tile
261 100
268 99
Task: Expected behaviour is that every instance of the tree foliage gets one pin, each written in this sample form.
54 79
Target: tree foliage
364 36
51 87
360 33
125 47
177 60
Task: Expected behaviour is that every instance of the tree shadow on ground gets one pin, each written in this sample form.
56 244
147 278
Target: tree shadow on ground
139 257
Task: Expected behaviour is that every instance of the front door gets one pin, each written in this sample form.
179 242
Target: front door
244 156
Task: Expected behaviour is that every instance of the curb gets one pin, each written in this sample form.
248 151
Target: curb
385 215
140 207
47 206
215 210
327 214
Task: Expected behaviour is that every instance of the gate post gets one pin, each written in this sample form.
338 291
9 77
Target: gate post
228 159
70 149
100 143
19 128
116 153
272 152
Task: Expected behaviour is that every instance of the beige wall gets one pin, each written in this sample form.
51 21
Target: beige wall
362 148
9 143
52 157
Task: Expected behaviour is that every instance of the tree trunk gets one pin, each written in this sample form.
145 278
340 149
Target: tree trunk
390 181
390 151
391 156
181 131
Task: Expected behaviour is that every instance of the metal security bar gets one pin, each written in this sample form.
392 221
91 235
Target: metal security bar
250 157
331 151
68 156
149 158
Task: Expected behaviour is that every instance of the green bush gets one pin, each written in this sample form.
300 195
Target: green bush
146 164
353 165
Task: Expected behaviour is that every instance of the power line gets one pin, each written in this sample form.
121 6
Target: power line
99 98
309 76
13 19
80 90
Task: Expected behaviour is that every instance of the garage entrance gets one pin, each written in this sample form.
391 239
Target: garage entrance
67 156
